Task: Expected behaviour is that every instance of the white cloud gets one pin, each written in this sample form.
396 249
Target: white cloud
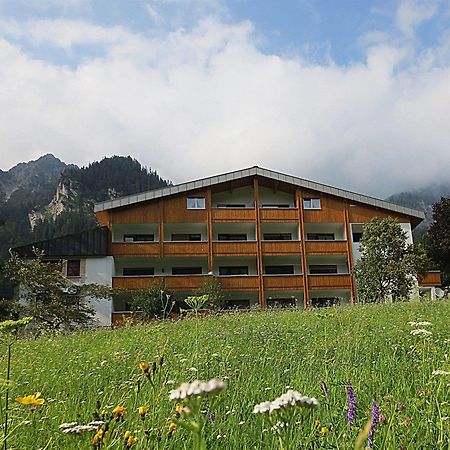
411 13
195 103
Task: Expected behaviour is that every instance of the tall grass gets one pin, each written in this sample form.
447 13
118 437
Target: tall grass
260 356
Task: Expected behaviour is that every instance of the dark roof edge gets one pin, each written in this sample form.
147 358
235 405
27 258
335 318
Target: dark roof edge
255 171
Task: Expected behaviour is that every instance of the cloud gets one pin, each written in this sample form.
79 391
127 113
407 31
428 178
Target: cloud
205 101
412 13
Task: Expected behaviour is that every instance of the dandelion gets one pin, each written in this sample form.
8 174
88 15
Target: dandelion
440 372
373 423
197 389
420 331
351 405
118 412
142 410
31 400
97 439
324 431
144 367
130 441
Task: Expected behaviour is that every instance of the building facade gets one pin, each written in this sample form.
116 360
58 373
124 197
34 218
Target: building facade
269 238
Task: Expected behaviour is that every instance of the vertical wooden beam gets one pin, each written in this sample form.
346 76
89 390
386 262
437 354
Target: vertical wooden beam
259 244
349 251
161 229
210 233
301 223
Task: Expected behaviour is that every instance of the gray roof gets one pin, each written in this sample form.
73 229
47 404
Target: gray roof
251 172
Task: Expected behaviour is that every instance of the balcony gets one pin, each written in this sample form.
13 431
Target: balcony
326 247
175 282
283 282
281 248
431 279
233 214
132 249
188 248
239 282
235 248
329 281
278 214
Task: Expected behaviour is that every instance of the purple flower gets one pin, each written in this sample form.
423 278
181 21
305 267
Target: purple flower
351 404
373 423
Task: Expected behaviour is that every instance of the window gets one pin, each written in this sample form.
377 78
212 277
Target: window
138 237
237 304
186 237
357 236
232 237
275 205
323 302
319 269
230 205
138 271
186 270
277 236
73 268
233 270
196 203
311 203
320 236
279 270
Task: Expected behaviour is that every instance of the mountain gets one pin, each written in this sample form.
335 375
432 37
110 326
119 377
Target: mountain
423 200
47 198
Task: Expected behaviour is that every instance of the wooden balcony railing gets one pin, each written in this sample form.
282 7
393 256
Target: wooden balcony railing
233 215
191 248
326 247
281 248
329 281
278 214
283 282
432 278
235 248
175 282
150 249
239 282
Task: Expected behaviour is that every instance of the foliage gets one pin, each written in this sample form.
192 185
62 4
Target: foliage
439 237
388 265
258 355
212 288
155 302
48 296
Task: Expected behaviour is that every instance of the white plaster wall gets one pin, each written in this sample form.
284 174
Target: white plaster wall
341 262
283 261
406 227
143 228
231 261
270 196
235 228
243 195
289 227
161 267
337 228
183 228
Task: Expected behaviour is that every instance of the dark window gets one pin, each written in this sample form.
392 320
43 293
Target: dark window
320 236
73 268
279 270
196 203
237 304
138 271
275 205
138 237
357 236
230 205
322 269
281 302
233 270
232 237
323 302
186 270
311 203
186 237
277 236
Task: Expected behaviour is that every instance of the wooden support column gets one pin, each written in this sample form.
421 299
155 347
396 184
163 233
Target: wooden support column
259 245
161 229
210 232
301 223
349 252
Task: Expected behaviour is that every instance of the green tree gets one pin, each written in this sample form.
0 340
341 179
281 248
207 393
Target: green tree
50 298
212 288
437 239
155 302
388 266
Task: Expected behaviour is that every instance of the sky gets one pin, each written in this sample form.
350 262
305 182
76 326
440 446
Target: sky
352 93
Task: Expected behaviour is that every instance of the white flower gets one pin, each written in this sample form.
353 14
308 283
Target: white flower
80 429
68 425
423 324
290 399
420 331
262 407
413 324
197 388
440 372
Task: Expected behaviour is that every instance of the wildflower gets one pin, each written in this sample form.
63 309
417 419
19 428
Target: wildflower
420 331
67 425
31 400
196 389
142 410
440 372
78 429
144 367
324 431
172 428
373 423
96 440
351 405
289 399
420 324
130 441
118 412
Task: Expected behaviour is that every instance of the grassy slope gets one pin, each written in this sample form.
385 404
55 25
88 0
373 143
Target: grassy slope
258 354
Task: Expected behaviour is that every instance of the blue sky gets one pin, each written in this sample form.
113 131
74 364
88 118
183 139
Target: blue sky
346 92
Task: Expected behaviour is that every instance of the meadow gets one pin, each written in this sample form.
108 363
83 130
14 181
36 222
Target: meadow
259 355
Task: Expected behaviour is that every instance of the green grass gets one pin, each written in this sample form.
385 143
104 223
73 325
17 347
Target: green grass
259 355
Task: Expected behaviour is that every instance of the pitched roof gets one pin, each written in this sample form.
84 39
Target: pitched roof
251 172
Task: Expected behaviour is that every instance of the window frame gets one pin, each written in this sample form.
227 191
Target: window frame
312 203
195 203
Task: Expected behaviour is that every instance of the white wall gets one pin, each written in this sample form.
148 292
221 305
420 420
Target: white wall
236 261
340 261
143 228
234 228
288 227
337 228
271 196
283 261
161 267
243 195
185 228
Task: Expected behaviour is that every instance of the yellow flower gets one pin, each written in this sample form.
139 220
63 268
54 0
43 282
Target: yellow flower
172 427
131 441
97 437
144 366
118 411
317 422
178 408
324 431
142 410
127 434
31 400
